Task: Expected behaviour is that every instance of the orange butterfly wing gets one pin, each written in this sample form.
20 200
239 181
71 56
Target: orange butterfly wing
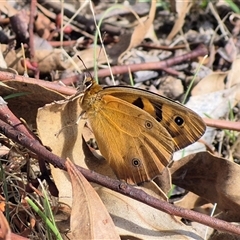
128 138
183 124
138 131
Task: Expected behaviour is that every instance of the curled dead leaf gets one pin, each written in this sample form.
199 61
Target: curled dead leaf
89 217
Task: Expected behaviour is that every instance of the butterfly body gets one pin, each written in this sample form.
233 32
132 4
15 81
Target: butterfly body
137 131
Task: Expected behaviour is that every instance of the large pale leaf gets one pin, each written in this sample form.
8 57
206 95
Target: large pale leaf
137 220
58 129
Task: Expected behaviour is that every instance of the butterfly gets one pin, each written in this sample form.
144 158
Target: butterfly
138 131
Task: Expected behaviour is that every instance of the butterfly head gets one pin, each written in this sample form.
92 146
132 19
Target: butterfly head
90 93
88 82
90 86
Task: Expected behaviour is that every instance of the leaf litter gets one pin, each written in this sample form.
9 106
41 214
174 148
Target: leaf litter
212 177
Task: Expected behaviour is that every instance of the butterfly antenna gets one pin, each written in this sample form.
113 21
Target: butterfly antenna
85 67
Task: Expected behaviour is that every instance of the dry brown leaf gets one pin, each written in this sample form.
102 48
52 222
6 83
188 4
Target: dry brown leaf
137 220
12 58
3 64
48 60
58 130
213 178
141 29
191 201
57 126
218 235
5 228
211 83
171 87
229 51
7 8
198 204
163 182
182 8
95 161
3 151
62 218
216 105
88 57
52 59
26 106
233 77
43 25
220 102
217 81
55 60
89 217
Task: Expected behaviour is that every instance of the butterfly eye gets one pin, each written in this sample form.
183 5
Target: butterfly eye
148 124
136 162
88 83
179 120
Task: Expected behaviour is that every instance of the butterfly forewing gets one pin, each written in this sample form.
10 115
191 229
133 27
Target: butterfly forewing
184 125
